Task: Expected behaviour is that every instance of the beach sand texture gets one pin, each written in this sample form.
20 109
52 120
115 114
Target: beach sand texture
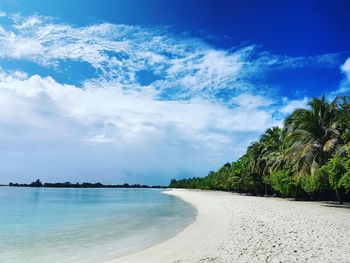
235 228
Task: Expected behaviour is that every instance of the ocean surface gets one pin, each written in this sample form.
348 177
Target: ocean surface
85 225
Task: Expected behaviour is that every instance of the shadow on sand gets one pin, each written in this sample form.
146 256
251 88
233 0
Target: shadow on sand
336 205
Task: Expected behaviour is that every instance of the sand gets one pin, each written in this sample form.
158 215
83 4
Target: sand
235 228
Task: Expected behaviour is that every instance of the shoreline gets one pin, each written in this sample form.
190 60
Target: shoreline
235 228
179 248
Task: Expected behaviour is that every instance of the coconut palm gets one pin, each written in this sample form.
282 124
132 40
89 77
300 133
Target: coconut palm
272 143
266 152
314 135
313 139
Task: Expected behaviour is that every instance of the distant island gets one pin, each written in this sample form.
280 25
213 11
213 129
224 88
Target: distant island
38 183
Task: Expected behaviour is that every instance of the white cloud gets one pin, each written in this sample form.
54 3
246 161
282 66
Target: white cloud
346 69
128 113
27 23
251 101
344 86
185 67
120 52
114 125
291 105
124 124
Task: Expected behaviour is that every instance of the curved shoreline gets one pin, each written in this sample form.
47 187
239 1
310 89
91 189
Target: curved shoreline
184 247
236 228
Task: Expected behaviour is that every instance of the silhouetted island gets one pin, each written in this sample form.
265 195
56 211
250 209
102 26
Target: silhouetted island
38 183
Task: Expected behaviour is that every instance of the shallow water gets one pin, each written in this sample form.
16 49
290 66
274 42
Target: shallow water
85 225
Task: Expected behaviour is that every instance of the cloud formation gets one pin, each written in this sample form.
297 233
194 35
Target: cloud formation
125 54
159 105
40 110
346 69
292 105
344 86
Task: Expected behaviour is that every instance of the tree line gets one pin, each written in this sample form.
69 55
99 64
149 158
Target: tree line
38 183
307 158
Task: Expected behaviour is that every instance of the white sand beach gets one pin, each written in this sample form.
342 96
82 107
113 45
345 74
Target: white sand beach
235 228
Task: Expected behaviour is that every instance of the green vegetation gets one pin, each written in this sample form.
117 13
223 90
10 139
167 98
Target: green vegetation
309 158
38 183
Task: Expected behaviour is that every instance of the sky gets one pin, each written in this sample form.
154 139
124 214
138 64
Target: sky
143 91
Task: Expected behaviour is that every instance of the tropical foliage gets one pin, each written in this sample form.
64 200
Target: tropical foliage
308 158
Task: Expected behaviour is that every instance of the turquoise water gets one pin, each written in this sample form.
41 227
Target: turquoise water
85 225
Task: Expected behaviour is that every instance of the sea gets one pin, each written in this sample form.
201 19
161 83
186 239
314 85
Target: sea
85 225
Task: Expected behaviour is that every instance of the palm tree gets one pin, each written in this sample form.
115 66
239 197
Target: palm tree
314 135
266 152
272 145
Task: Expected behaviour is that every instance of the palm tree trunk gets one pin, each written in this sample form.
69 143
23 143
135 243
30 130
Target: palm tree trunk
338 196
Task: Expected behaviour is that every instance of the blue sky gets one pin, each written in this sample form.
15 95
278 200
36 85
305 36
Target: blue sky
144 91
